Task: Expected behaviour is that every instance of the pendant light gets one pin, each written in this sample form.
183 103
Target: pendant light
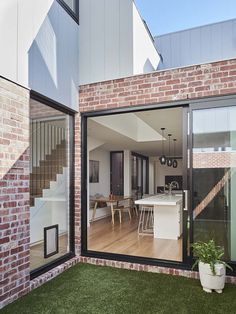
163 157
169 159
175 163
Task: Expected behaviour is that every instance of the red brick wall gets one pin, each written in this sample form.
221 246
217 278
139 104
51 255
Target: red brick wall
14 192
77 184
214 79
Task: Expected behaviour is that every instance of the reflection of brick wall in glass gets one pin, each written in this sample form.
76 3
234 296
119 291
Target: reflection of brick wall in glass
214 160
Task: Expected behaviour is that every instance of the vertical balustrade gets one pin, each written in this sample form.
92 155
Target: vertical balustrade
47 148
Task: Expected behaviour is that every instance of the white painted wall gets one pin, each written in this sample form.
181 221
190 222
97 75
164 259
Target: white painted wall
127 173
145 56
162 171
151 176
103 186
36 50
110 31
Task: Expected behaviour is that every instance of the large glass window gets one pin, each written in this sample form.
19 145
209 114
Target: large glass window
50 206
71 4
214 177
123 172
72 7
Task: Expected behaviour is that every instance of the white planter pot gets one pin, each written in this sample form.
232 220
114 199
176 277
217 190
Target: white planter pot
209 281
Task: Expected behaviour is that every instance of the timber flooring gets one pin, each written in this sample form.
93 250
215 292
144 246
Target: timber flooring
37 253
124 239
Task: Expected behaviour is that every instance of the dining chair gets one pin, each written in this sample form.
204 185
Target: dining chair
123 206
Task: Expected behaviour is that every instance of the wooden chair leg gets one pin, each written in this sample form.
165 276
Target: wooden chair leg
94 210
120 215
129 213
112 215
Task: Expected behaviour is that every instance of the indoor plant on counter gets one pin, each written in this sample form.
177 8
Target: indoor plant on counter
211 267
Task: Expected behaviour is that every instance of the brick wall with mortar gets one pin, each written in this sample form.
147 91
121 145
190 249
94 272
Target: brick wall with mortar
206 80
214 79
14 192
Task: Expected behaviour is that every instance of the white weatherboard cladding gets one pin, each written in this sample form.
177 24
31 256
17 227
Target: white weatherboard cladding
36 50
105 39
113 41
145 56
198 45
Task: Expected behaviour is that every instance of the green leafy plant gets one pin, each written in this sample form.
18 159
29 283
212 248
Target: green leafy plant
209 253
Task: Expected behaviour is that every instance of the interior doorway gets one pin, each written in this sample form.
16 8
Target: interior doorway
117 173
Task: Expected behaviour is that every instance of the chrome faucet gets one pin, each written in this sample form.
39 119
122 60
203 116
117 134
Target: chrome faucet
172 185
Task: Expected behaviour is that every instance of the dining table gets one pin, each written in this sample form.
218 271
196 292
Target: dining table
111 201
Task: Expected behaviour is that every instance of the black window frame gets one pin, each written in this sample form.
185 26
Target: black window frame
85 251
73 14
60 107
187 105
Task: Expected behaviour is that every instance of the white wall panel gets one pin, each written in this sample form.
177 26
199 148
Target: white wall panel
105 40
203 44
195 48
107 46
8 38
36 50
97 39
85 42
145 55
126 38
112 35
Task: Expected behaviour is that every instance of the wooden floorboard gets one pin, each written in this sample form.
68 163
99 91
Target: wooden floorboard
37 253
124 239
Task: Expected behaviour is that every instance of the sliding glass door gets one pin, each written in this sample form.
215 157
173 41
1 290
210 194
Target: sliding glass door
214 175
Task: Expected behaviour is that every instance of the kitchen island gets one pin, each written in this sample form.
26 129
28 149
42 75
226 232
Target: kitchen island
167 215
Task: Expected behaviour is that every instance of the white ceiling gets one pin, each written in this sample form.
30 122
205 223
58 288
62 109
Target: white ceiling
119 138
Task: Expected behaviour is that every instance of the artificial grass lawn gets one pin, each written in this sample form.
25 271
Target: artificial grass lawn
96 289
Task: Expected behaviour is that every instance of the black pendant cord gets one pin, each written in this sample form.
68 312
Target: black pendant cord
163 151
169 160
175 163
163 157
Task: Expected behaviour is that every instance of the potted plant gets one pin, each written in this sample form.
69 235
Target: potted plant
211 267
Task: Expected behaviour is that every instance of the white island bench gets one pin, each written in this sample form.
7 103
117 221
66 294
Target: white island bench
167 215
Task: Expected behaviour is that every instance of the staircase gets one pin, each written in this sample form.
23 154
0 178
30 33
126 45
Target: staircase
47 171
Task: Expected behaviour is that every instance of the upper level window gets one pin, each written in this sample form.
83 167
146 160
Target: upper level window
71 4
72 7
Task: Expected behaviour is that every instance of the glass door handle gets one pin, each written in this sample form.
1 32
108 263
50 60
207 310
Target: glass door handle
185 200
